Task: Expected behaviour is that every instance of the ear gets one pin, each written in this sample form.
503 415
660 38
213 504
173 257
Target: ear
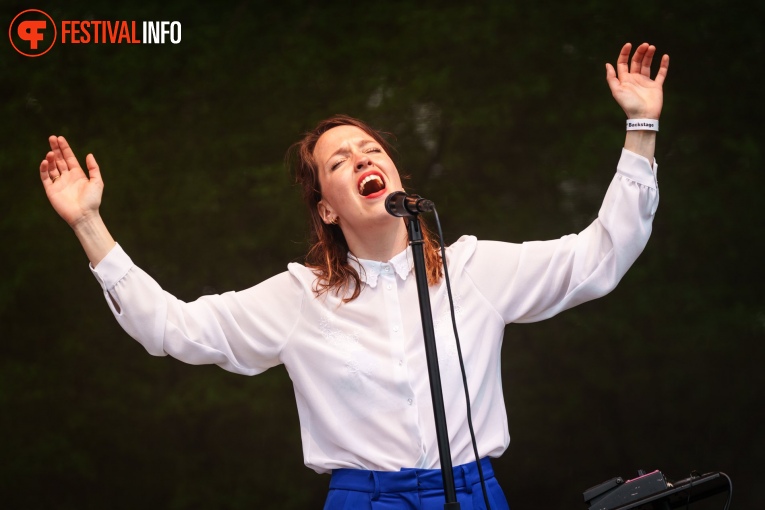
325 211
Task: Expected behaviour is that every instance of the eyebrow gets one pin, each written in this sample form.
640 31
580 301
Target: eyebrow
343 148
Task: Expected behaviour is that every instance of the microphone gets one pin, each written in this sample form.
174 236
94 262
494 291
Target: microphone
401 205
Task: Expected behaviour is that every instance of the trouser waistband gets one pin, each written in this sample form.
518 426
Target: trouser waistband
408 479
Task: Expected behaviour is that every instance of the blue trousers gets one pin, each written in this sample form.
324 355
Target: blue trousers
415 489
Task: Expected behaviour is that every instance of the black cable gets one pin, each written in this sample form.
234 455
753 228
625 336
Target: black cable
459 355
730 490
694 474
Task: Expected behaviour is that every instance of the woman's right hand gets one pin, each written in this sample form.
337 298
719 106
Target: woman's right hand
75 196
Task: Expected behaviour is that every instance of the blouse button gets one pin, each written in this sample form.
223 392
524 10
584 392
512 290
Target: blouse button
400 362
395 329
389 286
409 401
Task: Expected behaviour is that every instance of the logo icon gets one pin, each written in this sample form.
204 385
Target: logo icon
32 33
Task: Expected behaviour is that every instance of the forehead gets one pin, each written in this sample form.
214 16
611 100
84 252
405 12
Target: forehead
335 138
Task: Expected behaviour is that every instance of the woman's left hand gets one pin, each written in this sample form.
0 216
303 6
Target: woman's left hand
631 85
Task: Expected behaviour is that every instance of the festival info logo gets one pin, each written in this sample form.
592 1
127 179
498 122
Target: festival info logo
32 33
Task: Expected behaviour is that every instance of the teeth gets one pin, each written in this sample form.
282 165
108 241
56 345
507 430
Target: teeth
367 179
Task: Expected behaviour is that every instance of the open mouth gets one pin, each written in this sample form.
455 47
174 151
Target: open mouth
371 184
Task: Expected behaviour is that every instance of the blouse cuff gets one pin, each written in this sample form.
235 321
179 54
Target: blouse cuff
637 168
112 268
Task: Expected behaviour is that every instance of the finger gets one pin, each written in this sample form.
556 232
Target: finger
52 168
624 57
663 68
647 59
611 79
59 156
48 165
45 174
93 171
637 58
66 151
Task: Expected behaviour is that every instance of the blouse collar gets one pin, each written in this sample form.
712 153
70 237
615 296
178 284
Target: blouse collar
370 270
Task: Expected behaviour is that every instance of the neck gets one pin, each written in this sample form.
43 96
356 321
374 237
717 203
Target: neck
381 243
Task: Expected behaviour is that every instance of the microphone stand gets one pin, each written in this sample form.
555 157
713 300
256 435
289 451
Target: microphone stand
431 355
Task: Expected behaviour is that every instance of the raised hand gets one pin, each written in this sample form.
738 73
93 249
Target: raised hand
631 85
75 196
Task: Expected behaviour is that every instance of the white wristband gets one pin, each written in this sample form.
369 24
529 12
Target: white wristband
642 125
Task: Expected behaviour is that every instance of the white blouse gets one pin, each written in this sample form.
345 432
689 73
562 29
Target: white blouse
358 369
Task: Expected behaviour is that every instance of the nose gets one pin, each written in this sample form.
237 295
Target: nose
362 162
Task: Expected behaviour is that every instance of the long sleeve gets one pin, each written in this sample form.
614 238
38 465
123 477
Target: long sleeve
242 332
535 280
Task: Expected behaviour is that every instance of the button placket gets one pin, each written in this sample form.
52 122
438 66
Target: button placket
390 286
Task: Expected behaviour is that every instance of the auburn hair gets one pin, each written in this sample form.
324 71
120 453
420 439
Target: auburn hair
328 252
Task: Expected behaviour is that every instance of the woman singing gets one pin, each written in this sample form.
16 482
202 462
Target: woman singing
346 324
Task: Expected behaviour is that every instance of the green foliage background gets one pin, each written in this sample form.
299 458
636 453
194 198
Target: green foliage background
502 116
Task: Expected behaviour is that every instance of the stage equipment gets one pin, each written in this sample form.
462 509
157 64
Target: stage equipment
652 491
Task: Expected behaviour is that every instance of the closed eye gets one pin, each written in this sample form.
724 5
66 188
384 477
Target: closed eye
333 167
